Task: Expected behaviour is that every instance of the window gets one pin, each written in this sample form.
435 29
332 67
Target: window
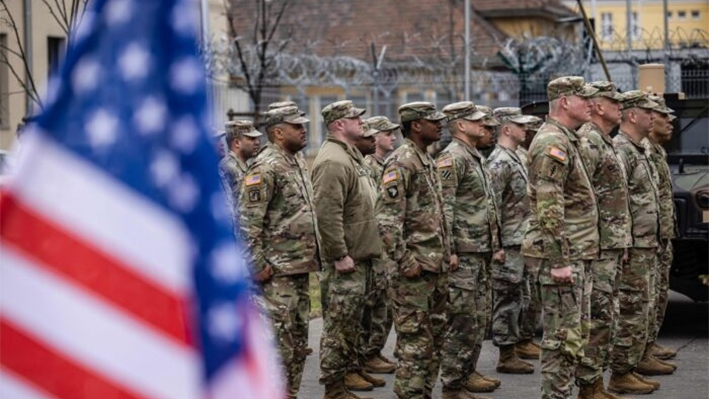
634 26
606 26
669 14
55 53
695 14
4 85
681 14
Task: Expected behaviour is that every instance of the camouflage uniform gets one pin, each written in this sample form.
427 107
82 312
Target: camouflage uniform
412 224
277 219
344 203
607 175
471 217
637 275
231 168
562 231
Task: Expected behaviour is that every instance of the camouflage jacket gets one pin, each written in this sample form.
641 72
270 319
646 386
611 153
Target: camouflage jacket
344 202
610 184
509 180
642 191
468 199
232 171
668 218
563 225
277 214
376 166
523 156
410 211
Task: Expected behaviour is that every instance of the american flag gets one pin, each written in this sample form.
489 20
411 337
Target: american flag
120 274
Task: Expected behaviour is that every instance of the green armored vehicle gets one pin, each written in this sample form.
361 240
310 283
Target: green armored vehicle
688 158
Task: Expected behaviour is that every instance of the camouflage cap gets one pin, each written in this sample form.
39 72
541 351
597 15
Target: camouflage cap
281 104
606 89
381 124
289 115
369 130
672 117
511 114
419 110
489 120
569 86
339 110
238 128
637 99
463 110
661 105
535 124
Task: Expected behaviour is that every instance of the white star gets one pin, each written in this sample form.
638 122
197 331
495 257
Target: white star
227 264
134 62
101 128
119 11
150 117
84 26
220 210
184 134
164 168
183 193
223 322
184 18
186 75
86 75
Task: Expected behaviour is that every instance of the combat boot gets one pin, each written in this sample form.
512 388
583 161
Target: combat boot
477 383
338 390
648 365
308 351
355 382
628 383
377 365
655 383
666 363
527 349
459 394
590 391
662 352
491 379
601 392
376 382
509 363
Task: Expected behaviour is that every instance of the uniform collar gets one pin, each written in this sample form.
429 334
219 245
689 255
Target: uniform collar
570 133
423 156
350 150
625 135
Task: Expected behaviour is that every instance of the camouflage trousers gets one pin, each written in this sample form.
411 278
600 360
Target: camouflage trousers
662 287
377 316
566 309
604 273
633 304
419 306
341 329
531 311
507 288
461 332
287 300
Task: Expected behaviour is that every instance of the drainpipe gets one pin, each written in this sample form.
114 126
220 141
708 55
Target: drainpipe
27 37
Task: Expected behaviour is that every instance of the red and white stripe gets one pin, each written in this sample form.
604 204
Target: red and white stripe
95 286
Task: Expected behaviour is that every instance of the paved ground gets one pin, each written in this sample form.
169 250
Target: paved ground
686 328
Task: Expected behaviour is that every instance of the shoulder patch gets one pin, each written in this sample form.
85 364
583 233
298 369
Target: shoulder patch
445 163
252 179
390 177
557 153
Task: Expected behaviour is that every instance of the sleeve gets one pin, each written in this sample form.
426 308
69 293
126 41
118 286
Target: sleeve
590 155
551 169
256 194
392 215
451 171
330 186
499 178
229 183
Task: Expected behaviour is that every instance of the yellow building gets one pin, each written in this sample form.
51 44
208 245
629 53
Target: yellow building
688 23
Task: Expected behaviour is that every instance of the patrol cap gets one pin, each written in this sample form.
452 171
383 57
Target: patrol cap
419 110
238 128
289 115
569 86
661 105
381 124
535 124
281 104
369 130
638 99
463 110
606 89
339 110
488 120
511 114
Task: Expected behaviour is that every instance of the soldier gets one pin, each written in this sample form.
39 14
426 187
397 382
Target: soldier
278 221
562 234
344 203
531 130
487 142
377 320
636 275
661 134
242 139
609 183
509 177
415 239
471 216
